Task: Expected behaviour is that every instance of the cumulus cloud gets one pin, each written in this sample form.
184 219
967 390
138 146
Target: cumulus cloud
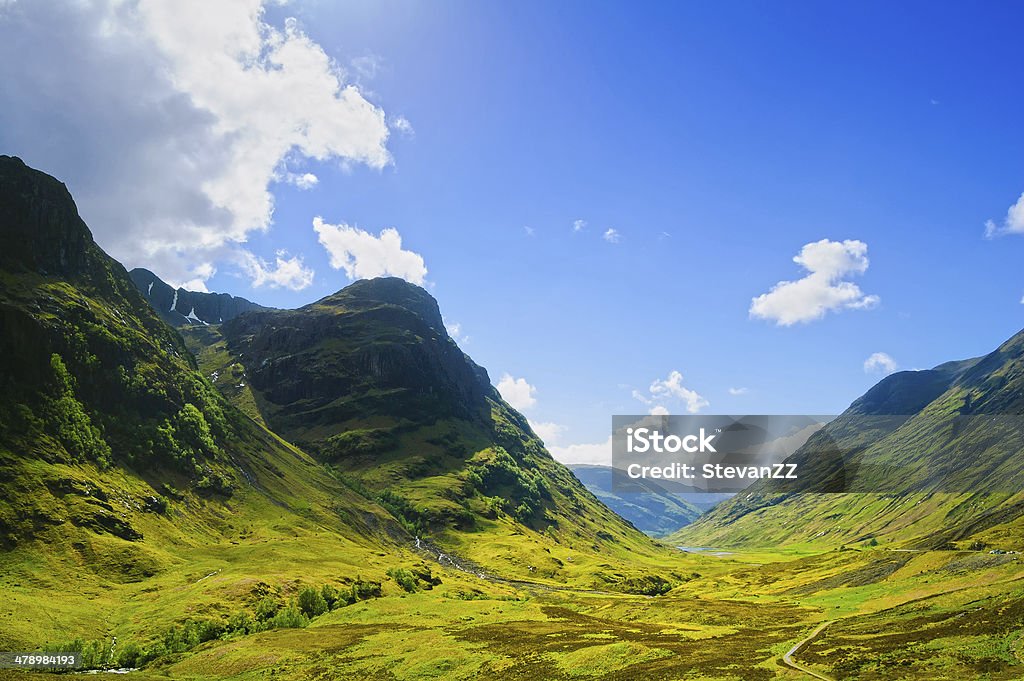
612 236
286 272
1013 223
670 388
738 391
198 283
823 289
547 432
880 362
599 454
304 180
578 225
170 121
517 392
364 256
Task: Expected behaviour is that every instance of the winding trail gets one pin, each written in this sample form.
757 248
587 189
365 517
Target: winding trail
787 659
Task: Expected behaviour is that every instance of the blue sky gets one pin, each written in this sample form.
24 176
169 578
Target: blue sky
716 139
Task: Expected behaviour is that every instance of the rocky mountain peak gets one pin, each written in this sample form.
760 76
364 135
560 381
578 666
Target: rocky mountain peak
40 229
367 293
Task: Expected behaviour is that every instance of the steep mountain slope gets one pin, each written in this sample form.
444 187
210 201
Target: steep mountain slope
122 470
369 381
928 458
161 512
180 307
656 511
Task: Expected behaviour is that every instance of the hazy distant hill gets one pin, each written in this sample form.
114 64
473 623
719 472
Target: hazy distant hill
656 511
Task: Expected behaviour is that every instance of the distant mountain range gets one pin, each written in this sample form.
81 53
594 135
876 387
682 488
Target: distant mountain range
656 511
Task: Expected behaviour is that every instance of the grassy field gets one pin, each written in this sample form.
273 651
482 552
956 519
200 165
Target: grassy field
891 614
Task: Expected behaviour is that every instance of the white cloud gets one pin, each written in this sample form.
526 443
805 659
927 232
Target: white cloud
672 387
517 392
738 391
599 454
612 236
880 362
202 272
303 181
286 272
364 256
1013 223
578 225
402 125
823 289
529 230
171 120
454 330
547 432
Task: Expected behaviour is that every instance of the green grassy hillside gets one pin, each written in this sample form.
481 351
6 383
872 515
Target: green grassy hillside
126 476
934 457
369 381
149 519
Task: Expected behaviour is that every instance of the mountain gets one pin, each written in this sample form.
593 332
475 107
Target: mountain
163 514
369 381
123 471
924 459
150 519
179 307
655 511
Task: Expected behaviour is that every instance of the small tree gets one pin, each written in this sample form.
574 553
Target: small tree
311 602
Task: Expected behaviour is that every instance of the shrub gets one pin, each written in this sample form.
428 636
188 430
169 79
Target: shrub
129 655
311 602
330 595
289 618
267 608
404 579
241 623
646 585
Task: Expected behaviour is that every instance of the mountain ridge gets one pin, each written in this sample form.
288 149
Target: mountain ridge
181 307
942 441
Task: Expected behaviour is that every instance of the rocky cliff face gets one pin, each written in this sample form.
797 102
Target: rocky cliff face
377 348
41 230
62 294
101 401
179 307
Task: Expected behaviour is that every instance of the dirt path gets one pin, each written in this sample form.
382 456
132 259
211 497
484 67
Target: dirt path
787 659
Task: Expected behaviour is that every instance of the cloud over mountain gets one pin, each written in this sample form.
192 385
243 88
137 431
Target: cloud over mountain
185 114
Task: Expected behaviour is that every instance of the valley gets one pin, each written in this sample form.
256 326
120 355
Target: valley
338 491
